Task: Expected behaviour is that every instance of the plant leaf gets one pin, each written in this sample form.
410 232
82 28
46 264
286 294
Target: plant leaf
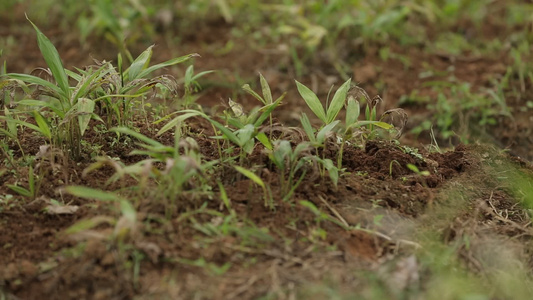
249 90
251 175
265 88
90 193
38 81
86 107
306 124
321 135
43 125
312 101
352 111
139 64
138 136
172 123
51 56
338 101
167 63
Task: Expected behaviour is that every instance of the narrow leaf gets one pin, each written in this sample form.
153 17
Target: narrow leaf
51 56
86 107
321 135
172 123
44 129
265 88
338 101
139 64
251 175
352 111
90 193
306 124
168 63
138 136
249 90
312 101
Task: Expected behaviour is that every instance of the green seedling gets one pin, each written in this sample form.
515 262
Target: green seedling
266 99
62 113
247 125
329 114
289 161
352 124
191 85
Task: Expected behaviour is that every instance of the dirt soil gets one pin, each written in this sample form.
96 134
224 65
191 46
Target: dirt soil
287 252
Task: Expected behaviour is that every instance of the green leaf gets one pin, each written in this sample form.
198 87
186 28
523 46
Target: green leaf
26 124
376 123
49 104
87 224
90 193
138 136
85 82
39 81
352 111
312 101
333 171
245 134
265 88
321 135
249 90
128 211
263 139
251 175
44 129
172 123
86 107
311 206
338 101
51 56
171 62
267 111
139 64
306 124
20 190
224 197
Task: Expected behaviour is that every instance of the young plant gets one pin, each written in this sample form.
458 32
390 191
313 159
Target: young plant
62 113
266 99
329 114
352 124
191 86
289 161
182 167
247 125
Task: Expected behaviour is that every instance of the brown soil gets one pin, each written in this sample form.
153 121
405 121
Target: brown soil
287 251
